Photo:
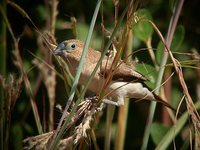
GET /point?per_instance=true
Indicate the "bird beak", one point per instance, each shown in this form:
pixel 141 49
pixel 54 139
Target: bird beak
pixel 58 51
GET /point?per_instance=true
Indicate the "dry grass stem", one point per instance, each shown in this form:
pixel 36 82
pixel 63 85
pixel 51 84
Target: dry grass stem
pixel 11 91
pixel 49 77
pixel 85 114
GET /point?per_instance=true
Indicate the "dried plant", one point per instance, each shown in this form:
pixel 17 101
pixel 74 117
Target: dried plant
pixel 82 119
pixel 49 77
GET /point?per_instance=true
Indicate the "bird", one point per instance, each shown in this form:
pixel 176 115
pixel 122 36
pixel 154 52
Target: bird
pixel 124 82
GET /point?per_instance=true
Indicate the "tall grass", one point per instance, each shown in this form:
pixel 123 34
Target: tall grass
pixel 84 123
pixel 171 30
pixel 2 72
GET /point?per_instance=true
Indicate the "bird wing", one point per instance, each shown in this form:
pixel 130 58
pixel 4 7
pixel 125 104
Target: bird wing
pixel 122 72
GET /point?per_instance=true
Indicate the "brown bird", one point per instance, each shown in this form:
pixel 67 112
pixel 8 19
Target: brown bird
pixel 125 81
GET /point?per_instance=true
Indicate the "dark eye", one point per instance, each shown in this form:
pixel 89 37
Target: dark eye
pixel 73 46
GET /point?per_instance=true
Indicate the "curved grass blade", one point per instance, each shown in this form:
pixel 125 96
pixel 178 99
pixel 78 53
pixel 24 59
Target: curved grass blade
pixel 61 128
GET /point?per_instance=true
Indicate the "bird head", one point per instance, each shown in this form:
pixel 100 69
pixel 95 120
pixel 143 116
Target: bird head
pixel 69 48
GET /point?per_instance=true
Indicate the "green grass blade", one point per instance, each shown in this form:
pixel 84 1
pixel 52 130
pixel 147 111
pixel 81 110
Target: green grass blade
pixel 171 29
pixel 60 129
pixel 105 50
pixel 109 119
pixel 171 134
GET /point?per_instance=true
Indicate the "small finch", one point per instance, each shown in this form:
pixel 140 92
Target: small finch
pixel 126 82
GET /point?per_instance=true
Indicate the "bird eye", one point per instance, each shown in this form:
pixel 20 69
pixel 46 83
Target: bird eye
pixel 73 46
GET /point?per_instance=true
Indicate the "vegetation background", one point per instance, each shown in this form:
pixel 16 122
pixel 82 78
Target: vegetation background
pixel 31 88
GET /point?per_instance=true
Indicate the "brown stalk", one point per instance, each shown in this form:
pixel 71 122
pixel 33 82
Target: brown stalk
pixel 190 105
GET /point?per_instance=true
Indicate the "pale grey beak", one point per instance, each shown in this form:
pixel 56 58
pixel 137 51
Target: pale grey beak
pixel 59 49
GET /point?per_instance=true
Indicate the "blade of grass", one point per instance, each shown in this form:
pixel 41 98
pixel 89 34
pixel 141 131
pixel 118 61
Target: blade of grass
pixel 109 118
pixel 20 65
pixel 99 62
pixel 60 129
pixel 3 42
pixel 2 71
pixel 53 12
pixel 122 124
pixel 105 50
pixel 171 134
pixel 123 110
pixel 171 29
pixel 25 15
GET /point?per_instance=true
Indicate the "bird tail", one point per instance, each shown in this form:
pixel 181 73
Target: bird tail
pixel 160 100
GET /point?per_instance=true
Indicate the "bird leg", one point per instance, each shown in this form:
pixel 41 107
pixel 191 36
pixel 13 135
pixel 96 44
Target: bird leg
pixel 107 101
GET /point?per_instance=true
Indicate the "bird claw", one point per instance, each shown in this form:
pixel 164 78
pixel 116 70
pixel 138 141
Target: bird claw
pixel 107 101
